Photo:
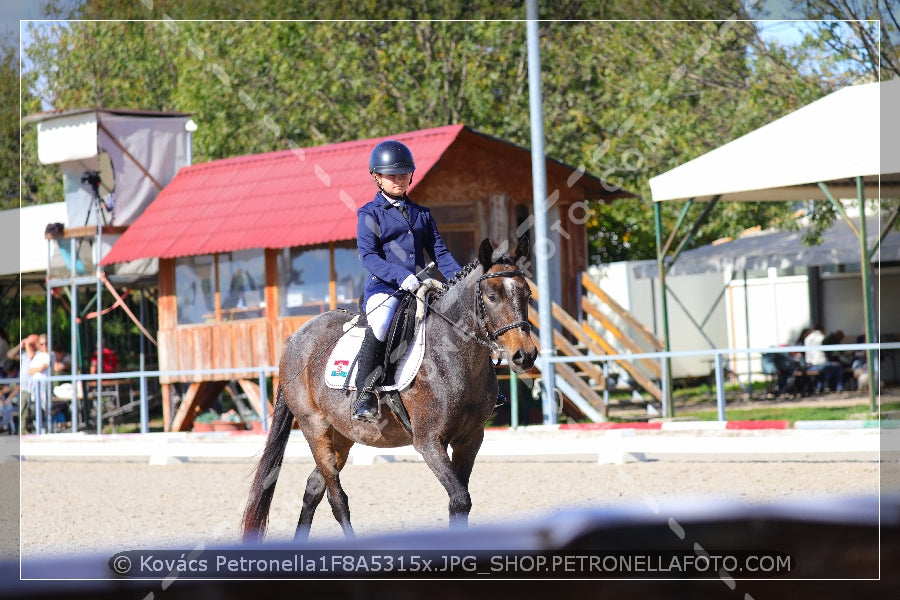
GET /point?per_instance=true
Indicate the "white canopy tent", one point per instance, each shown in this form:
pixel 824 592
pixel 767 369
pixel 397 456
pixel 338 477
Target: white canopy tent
pixel 852 132
pixel 845 145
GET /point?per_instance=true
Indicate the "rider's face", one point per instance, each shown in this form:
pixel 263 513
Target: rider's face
pixel 394 184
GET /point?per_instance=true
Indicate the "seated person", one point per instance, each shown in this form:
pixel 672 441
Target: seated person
pixel 9 399
pixel 110 362
pixel 62 360
pixel 817 364
pixel 840 359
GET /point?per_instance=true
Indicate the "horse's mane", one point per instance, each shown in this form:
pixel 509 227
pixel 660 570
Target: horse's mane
pixel 468 268
pixel 461 274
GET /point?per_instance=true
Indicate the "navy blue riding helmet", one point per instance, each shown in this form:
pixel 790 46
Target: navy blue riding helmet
pixel 391 158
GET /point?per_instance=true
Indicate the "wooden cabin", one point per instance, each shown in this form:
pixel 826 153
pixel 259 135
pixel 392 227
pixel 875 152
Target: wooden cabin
pixel 251 247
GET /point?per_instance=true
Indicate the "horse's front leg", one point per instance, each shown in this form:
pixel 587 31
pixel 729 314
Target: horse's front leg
pixel 464 453
pixel 435 455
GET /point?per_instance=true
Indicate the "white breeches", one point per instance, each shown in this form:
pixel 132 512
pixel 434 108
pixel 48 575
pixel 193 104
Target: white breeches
pixel 379 311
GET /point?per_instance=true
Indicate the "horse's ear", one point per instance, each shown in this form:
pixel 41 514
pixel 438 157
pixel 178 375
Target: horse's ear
pixel 486 254
pixel 523 247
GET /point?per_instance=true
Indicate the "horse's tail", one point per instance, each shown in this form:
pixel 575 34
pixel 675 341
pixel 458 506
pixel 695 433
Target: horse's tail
pixel 256 514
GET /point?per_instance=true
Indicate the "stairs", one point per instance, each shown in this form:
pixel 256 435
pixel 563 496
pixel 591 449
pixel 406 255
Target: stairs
pixel 582 383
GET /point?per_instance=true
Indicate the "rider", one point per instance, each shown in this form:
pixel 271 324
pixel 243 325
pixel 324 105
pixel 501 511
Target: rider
pixel 392 233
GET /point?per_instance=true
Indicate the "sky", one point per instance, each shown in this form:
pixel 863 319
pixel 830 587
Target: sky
pixel 11 11
pixel 786 33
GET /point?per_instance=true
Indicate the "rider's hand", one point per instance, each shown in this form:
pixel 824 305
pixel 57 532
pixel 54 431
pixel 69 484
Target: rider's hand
pixel 411 283
pixel 434 284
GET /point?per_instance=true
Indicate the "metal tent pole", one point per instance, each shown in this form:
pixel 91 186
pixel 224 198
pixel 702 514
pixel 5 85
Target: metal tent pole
pixel 98 251
pixel 145 425
pixel 866 272
pixel 668 407
pixel 865 267
pixel 74 345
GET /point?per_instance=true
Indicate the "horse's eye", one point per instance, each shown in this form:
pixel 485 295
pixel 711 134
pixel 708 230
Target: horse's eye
pixel 492 297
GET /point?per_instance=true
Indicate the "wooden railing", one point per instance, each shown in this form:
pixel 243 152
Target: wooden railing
pixel 578 339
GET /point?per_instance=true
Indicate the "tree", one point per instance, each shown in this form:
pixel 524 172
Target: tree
pixel 863 34
pixel 9 131
pixel 623 100
pixel 849 42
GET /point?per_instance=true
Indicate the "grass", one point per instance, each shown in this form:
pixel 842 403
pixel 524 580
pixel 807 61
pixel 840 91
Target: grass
pixel 791 414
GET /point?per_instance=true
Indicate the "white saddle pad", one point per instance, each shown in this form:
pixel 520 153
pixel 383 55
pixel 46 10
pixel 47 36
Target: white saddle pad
pixel 337 369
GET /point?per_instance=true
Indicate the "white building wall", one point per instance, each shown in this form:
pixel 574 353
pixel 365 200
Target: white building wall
pixel 776 308
pixel 698 294
pixel 768 311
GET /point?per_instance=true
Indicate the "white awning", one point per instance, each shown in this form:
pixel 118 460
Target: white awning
pixel 849 133
pixel 27 225
pixel 780 249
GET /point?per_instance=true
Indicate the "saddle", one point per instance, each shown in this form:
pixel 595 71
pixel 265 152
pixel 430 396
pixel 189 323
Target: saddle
pixel 404 351
pixel 401 333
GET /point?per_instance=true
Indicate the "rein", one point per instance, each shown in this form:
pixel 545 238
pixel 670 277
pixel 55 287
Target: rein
pixel 491 336
pixel 490 342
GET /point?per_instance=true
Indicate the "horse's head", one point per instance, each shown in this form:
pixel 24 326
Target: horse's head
pixel 502 304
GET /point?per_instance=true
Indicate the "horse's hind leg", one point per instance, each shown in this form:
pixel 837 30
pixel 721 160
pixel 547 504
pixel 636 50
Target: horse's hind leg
pixel 315 489
pixel 330 451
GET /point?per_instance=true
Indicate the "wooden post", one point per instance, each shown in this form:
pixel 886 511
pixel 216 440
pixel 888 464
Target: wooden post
pixel 168 318
pixel 217 294
pixel 332 283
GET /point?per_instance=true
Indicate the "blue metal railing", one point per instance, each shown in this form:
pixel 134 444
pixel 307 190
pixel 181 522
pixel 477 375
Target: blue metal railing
pixel 263 372
pixel 42 398
pixel 718 354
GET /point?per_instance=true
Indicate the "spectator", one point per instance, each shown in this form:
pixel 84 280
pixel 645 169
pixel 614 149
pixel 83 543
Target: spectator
pixel 40 371
pixel 23 352
pixel 9 399
pixel 110 361
pixel 817 364
pixel 4 343
pixel 62 361
pixel 834 338
pixel 840 359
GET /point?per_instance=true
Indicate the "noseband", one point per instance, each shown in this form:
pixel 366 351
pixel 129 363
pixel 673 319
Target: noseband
pixel 492 336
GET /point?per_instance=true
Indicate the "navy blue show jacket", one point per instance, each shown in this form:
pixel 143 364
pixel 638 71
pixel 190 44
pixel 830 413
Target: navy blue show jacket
pixel 390 248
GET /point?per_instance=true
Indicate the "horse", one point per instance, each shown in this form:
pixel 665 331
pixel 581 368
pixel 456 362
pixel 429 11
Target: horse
pixel 483 311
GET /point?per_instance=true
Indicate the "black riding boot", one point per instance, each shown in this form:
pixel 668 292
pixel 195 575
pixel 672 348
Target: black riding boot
pixel 369 370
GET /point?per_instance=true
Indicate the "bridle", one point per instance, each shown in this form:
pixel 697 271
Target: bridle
pixel 482 313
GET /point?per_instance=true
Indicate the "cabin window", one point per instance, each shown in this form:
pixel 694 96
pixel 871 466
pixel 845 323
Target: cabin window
pixel 195 288
pixel 459 229
pixel 242 283
pixel 350 277
pixel 306 275
pixel 237 279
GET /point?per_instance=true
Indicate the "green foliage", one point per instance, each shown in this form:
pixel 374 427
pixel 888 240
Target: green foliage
pixel 9 131
pixel 625 100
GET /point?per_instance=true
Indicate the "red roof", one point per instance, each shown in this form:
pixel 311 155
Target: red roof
pixel 297 198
